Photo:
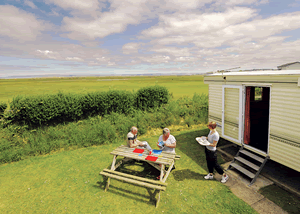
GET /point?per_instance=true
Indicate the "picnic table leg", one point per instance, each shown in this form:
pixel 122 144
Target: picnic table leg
pixel 158 199
pixel 112 168
pixel 156 166
pixel 124 160
pixel 168 172
pixel 162 169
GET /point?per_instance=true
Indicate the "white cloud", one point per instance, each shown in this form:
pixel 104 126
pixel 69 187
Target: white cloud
pixel 105 61
pixel 180 5
pixel 130 48
pixel 18 24
pixel 193 24
pixel 30 4
pixel 263 28
pixel 109 24
pixel 76 4
pixel 174 51
pixel 48 54
pixel 77 59
pixel 240 2
pixel 121 14
pixel 154 59
pixel 185 59
pixel 178 30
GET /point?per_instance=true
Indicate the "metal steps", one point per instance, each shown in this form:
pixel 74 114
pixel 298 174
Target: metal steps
pixel 243 170
pixel 246 163
pixel 253 156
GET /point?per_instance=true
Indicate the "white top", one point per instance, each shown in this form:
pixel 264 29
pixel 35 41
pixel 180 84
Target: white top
pixel 131 136
pixel 171 140
pixel 211 138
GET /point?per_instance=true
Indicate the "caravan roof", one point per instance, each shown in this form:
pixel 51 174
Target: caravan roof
pixel 259 72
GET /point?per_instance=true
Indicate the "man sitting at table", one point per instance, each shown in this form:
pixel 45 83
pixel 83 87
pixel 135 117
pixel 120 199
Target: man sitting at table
pixel 133 142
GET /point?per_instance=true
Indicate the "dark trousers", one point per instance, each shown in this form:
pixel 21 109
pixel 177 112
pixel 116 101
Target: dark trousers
pixel 212 162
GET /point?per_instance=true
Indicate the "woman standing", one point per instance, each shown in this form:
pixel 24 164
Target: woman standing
pixel 211 153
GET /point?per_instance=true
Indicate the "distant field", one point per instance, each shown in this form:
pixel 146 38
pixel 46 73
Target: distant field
pixel 178 85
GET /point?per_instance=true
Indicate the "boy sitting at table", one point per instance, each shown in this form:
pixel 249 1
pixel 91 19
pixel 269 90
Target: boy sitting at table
pixel 133 142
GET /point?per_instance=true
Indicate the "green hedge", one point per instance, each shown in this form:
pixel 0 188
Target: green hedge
pixel 3 106
pixel 18 142
pixel 151 97
pixel 57 108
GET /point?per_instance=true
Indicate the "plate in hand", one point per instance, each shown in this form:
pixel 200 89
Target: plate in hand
pixel 202 142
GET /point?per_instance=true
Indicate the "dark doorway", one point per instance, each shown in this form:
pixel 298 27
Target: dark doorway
pixel 257 117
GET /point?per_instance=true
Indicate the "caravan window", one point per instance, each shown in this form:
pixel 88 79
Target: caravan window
pixel 258 94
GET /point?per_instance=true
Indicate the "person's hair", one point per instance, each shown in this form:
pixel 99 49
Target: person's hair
pixel 166 130
pixel 213 125
pixel 133 128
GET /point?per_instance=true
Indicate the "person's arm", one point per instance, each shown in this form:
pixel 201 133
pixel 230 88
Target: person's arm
pixel 159 140
pixel 214 144
pixel 173 145
pixel 132 144
pixel 158 145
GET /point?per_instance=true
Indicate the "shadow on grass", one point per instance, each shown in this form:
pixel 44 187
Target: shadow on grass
pixel 136 168
pixel 181 175
pixel 188 145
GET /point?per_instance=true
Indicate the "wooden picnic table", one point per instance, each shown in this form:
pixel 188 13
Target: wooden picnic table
pixel 163 159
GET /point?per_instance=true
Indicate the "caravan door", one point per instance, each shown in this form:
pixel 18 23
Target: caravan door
pixel 232 113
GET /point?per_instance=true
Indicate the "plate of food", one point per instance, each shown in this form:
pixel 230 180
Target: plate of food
pixel 202 141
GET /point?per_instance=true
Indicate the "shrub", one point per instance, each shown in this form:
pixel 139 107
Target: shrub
pixel 151 97
pixel 17 142
pixel 3 106
pixel 45 109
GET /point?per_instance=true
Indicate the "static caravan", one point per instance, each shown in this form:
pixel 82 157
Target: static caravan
pixel 259 111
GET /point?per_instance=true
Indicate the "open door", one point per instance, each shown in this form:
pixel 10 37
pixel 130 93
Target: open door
pixel 257 111
pixel 232 112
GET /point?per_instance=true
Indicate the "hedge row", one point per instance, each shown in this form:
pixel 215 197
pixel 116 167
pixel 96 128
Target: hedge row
pixel 3 106
pixel 45 109
pixel 18 142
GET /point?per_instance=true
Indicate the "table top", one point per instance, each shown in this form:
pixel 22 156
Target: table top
pixel 165 158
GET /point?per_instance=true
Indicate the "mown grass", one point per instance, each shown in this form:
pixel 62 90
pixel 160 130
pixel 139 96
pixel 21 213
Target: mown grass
pixel 69 182
pixel 178 85
pixel 282 198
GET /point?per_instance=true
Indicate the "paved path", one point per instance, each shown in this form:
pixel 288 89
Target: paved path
pixel 239 186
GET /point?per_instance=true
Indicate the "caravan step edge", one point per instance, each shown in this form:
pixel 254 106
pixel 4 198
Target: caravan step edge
pixel 248 163
pixel 243 170
pixel 251 155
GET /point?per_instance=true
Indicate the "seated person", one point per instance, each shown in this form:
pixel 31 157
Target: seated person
pixel 168 141
pixel 133 142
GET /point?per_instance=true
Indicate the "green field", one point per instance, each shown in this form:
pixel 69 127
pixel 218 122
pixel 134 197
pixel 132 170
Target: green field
pixel 69 182
pixel 178 85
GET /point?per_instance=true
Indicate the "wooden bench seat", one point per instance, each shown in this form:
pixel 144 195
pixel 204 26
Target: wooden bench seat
pixel 134 179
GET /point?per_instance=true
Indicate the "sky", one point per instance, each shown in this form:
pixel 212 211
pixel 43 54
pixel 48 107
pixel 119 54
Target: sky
pixel 116 37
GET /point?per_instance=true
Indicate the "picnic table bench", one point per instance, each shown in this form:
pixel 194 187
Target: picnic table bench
pixel 159 161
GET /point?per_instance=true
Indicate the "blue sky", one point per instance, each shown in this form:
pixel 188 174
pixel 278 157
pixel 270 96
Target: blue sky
pixel 43 37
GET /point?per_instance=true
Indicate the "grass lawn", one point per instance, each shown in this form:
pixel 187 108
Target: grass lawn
pixel 282 198
pixel 69 182
pixel 178 85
